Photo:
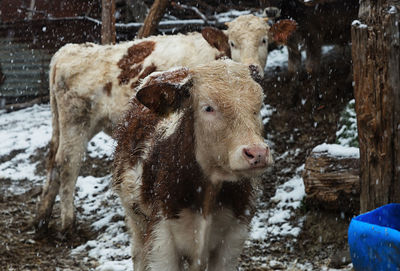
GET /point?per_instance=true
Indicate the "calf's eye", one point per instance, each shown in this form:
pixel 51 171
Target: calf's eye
pixel 264 40
pixel 232 44
pixel 209 109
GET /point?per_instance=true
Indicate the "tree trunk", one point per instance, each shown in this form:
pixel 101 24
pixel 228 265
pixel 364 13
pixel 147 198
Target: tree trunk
pixel 376 68
pixel 153 18
pixel 108 22
pixel 332 182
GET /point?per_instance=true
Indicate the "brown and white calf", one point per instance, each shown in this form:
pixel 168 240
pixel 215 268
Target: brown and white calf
pixel 188 151
pixel 90 86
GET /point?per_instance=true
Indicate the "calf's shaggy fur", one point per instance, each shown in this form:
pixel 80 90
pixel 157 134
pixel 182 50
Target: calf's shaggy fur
pixel 189 148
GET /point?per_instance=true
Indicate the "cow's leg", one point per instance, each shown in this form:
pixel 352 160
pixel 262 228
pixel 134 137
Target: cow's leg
pixel 313 52
pixel 137 227
pixel 294 60
pixel 51 187
pixel 76 129
pixel 69 158
pixel 49 192
pixel 161 254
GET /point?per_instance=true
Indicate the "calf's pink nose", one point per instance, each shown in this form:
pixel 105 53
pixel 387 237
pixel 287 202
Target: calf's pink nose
pixel 256 155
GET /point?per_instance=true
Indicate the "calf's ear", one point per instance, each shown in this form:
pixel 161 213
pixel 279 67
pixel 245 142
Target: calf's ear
pixel 165 92
pixel 282 30
pixel 217 38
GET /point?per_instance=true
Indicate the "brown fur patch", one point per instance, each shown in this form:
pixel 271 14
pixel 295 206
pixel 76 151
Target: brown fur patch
pixel 148 70
pixel 174 77
pixel 282 30
pixel 107 88
pixel 171 175
pixel 136 54
pixel 136 127
pixel 238 197
pixel 216 38
pixel 173 180
pixel 126 75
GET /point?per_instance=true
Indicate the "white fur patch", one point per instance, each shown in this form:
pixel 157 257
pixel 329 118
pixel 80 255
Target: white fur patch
pixel 196 237
pixel 168 126
pixel 163 255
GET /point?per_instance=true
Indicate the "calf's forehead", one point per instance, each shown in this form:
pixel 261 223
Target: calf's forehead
pixel 248 26
pixel 227 85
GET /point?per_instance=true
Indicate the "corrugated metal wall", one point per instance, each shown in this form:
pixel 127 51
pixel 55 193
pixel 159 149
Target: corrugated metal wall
pixel 25 71
pixel 26 49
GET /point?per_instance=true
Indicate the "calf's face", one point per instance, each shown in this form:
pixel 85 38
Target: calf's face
pixel 225 102
pixel 248 38
pixel 248 41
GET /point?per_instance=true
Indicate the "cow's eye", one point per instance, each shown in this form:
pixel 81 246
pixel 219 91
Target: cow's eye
pixel 232 44
pixel 208 109
pixel 264 41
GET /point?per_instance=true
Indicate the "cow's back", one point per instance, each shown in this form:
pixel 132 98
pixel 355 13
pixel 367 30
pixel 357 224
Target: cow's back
pixel 109 74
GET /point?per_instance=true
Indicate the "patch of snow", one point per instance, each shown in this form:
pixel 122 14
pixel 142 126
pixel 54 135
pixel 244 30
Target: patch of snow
pixel 277 58
pixel 101 205
pixel 327 48
pixel 282 156
pixel 347 135
pixel 26 129
pixel 275 222
pixel 266 112
pixel 359 24
pixel 290 194
pixel 392 10
pixel 101 146
pixel 23 132
pixel 338 150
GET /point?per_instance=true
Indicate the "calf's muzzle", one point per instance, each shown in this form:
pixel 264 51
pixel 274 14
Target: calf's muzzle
pixel 256 155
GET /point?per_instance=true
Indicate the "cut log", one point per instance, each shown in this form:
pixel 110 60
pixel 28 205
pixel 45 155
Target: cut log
pixel 332 182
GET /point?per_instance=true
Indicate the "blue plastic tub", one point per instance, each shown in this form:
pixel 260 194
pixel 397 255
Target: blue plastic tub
pixel 374 239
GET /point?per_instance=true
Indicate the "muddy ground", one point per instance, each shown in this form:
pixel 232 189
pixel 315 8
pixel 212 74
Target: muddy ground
pixel 307 113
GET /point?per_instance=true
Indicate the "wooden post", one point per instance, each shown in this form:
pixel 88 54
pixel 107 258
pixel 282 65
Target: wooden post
pixel 376 69
pixel 153 18
pixel 108 22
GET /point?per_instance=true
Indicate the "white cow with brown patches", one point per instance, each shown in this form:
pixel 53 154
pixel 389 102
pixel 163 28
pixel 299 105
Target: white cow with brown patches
pixel 90 86
pixel 188 151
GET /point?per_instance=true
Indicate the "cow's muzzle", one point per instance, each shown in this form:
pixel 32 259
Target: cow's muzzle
pixel 258 156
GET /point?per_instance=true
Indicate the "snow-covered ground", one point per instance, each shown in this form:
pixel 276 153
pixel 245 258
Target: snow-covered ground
pixel 30 129
pixel 23 132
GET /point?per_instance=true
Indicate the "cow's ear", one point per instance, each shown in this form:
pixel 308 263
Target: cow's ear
pixel 282 30
pixel 165 92
pixel 217 38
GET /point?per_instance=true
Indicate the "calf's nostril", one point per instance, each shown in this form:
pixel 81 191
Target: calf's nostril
pixel 248 154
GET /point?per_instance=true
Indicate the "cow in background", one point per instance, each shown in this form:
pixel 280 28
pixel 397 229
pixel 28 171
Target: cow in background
pixel 189 148
pixel 319 22
pixel 90 86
